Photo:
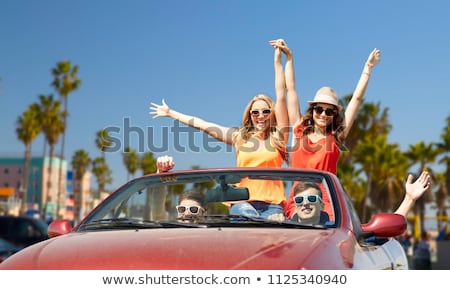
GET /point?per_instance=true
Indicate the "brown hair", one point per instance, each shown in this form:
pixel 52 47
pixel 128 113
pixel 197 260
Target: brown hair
pixel 193 195
pixel 336 128
pixel 302 186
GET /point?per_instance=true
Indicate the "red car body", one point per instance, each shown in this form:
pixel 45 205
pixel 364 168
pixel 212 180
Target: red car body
pixel 228 245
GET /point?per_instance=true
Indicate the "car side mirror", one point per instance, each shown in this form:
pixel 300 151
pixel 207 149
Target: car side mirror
pixel 385 225
pixel 59 227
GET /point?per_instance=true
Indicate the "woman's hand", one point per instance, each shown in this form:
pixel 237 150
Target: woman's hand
pixel 159 110
pixel 374 58
pixel 281 44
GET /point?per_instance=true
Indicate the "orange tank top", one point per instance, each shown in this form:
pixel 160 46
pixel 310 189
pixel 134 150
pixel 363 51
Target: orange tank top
pixel 270 191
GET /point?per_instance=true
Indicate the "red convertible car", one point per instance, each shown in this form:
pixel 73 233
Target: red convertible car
pixel 137 227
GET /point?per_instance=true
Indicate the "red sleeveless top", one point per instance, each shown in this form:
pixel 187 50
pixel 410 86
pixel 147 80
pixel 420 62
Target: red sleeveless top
pixel 321 155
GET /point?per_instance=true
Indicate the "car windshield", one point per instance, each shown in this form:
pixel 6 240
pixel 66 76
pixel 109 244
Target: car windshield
pixel 151 200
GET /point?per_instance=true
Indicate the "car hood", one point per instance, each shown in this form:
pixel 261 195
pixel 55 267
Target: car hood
pixel 181 248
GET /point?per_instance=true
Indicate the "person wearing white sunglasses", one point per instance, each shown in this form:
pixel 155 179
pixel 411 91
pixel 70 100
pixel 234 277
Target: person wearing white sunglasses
pixel 309 204
pixel 191 205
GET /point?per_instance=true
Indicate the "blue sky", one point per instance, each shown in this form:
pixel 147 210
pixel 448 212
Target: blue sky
pixel 209 57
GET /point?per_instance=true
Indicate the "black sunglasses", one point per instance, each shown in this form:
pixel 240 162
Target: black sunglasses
pixel 193 209
pixel 329 112
pixel 265 112
pixel 299 199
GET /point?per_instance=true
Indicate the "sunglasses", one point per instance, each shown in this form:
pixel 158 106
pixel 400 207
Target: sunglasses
pixel 265 112
pixel 329 112
pixel 299 199
pixel 193 209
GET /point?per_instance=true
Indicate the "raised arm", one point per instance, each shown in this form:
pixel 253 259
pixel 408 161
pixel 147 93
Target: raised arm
pixel 218 132
pixel 360 90
pixel 413 192
pixel 281 112
pixel 292 96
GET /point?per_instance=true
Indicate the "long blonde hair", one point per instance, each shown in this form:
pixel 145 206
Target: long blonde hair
pixel 247 130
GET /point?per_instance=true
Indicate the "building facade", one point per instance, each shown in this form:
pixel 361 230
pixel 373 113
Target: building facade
pixel 80 200
pixel 43 182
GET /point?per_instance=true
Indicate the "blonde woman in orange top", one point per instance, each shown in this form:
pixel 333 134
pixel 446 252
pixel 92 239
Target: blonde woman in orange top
pixel 259 142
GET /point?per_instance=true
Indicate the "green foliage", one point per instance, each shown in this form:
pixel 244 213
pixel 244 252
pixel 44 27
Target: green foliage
pixel 102 173
pixel 130 159
pixel 148 163
pixel 103 140
pixel 81 163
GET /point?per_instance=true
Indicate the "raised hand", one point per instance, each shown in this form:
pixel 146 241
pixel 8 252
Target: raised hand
pixel 276 43
pixel 164 163
pixel 374 58
pixel 159 110
pixel 281 44
pixel 415 190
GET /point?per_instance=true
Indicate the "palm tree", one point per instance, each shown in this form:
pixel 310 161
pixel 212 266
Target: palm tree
pixel 444 152
pixel 370 121
pixel 384 167
pixel 27 129
pixel 389 170
pixel 147 163
pixel 80 165
pixel 358 153
pixel 441 194
pixel 131 161
pixel 102 141
pixel 353 183
pixel 422 154
pixel 51 119
pixel 65 81
pixel 102 173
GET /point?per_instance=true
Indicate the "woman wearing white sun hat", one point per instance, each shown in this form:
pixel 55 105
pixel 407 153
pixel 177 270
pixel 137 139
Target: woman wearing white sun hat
pixel 321 131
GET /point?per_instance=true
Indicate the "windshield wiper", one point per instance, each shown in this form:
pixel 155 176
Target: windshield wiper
pixel 114 223
pixel 185 223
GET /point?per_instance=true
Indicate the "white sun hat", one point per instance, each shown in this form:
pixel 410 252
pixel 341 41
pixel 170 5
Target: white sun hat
pixel 328 96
